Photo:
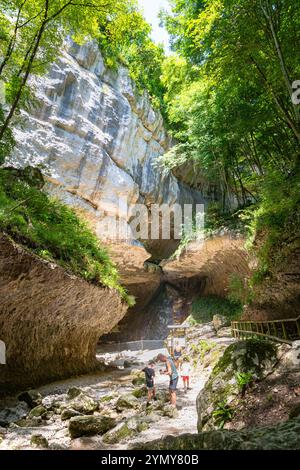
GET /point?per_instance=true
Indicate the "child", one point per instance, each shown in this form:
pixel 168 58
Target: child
pixel 185 374
pixel 150 381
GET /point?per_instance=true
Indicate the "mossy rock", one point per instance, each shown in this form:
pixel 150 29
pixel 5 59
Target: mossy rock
pixel 122 432
pixel 90 425
pixel 38 411
pixel 140 392
pixel 38 440
pixel 107 398
pixel 69 413
pixel 283 436
pixel 82 403
pixel 127 402
pixel 222 389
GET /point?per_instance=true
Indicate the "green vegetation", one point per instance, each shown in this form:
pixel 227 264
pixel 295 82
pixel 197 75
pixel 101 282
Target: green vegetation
pixel 53 231
pixel 229 103
pixel 243 379
pixel 222 414
pixel 204 308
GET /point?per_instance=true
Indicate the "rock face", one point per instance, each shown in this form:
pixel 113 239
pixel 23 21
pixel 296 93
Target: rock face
pixel 98 141
pixel 50 321
pixel 241 364
pixel 212 261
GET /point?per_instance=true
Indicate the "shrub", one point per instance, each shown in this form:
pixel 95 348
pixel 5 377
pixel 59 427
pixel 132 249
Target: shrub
pixel 53 231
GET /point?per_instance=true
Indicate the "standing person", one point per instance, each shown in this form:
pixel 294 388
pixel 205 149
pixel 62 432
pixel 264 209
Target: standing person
pixel 185 371
pixel 177 354
pixel 150 381
pixel 172 372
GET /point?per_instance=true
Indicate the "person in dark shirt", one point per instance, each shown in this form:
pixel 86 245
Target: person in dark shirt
pixel 150 381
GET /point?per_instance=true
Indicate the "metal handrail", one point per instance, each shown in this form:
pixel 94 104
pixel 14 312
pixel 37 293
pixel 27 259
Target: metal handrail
pixel 285 330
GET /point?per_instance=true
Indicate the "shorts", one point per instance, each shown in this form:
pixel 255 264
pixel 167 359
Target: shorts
pixel 185 377
pixel 150 386
pixel 173 384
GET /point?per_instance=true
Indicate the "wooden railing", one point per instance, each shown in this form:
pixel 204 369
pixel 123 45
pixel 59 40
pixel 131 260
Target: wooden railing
pixel 285 331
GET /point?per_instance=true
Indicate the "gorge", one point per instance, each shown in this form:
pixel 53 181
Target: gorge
pixel 149 226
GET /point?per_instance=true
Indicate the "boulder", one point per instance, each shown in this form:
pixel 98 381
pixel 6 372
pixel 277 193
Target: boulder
pixel 90 425
pixel 224 333
pixel 170 411
pixel 38 440
pixel 83 404
pixel 13 414
pixel 140 392
pixel 126 430
pixel 252 359
pixel 30 423
pixel 220 321
pixel 73 392
pixel 31 397
pixel 138 377
pixel 69 413
pixel 127 402
pixel 38 411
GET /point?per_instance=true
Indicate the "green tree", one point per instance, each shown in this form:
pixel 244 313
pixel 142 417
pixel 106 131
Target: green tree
pixel 32 32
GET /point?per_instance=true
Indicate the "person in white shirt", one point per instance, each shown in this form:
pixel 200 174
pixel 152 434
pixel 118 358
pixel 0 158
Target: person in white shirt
pixel 185 372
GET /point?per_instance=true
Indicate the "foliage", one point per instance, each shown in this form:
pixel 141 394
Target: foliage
pixel 32 32
pixel 244 379
pixel 54 232
pixel 204 308
pixel 222 414
pixel 229 103
pixel 126 37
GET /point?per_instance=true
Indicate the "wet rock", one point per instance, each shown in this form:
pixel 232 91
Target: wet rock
pixel 170 411
pixel 126 402
pixel 38 440
pixel 219 321
pixel 90 425
pixel 13 414
pixel 31 397
pixel 127 364
pixel 38 411
pixel 69 413
pixel 73 392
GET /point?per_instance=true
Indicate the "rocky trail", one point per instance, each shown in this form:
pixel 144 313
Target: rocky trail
pixel 47 424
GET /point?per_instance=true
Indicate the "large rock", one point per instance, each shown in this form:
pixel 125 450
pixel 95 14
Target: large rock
pixel 241 362
pixel 13 414
pixel 50 320
pixel 284 436
pixel 127 402
pixel 99 140
pixel 220 321
pixel 90 425
pixel 82 404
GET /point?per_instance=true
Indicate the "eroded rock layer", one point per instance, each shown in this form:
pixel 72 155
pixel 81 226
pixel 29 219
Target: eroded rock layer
pixel 50 320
